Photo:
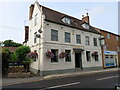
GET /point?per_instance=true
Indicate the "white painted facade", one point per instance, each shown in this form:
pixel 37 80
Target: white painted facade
pixel 44 43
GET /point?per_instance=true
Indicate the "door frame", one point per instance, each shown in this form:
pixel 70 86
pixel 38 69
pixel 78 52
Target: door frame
pixel 80 60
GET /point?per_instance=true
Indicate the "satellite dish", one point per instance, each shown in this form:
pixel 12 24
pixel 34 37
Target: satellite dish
pixel 40 31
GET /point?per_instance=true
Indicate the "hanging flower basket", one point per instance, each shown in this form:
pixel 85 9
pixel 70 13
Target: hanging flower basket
pixel 32 55
pixel 50 54
pixel 62 55
pixel 95 54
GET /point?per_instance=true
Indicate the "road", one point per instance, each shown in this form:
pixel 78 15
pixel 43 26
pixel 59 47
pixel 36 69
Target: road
pixel 99 80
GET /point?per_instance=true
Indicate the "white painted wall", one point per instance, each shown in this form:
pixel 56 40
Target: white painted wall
pixel 45 44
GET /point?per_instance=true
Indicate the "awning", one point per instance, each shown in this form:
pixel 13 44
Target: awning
pixel 78 50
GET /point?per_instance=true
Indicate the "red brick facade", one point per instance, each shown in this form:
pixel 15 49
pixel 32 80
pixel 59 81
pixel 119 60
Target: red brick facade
pixel 111 42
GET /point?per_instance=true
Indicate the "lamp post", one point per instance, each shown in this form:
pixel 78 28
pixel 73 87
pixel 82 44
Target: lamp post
pixel 102 43
pixel 39 36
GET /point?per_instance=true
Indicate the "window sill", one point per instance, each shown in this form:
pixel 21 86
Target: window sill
pixel 54 63
pixel 68 62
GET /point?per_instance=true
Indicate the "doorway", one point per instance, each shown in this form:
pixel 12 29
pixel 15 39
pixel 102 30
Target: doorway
pixel 78 60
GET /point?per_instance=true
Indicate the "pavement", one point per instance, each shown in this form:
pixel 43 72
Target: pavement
pixel 11 81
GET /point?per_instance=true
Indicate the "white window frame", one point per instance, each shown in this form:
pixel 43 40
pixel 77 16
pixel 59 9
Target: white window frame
pixel 36 19
pixel 55 36
pixel 87 40
pixel 108 36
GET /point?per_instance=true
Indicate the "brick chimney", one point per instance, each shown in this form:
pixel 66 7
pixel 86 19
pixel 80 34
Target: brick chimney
pixel 86 18
pixel 26 33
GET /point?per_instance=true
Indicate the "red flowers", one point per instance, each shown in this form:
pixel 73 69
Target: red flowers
pixel 32 55
pixel 50 54
pixel 62 55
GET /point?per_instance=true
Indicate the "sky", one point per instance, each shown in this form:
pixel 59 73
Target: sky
pixel 14 16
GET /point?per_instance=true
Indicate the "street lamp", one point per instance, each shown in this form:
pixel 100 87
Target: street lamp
pixel 102 44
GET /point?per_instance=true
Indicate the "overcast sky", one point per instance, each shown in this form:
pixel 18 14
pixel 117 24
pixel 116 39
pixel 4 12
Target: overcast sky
pixel 14 15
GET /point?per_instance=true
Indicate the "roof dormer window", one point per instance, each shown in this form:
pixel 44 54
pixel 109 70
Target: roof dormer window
pixel 85 25
pixel 66 20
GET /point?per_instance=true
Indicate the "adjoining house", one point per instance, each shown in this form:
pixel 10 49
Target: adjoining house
pixel 11 49
pixel 111 49
pixel 63 43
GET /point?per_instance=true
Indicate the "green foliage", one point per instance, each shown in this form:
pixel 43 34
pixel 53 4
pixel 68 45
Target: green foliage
pixel 22 52
pixel 27 60
pixel 11 43
pixel 5 58
pixel 13 58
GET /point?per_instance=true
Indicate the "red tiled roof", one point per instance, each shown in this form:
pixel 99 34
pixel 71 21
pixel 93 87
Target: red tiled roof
pixel 12 49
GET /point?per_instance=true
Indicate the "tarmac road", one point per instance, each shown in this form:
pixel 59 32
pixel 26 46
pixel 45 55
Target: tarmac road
pixel 99 80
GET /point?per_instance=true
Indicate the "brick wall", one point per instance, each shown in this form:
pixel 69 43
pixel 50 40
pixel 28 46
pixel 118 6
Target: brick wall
pixel 112 43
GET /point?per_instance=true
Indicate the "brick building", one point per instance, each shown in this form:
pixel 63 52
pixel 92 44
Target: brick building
pixel 111 49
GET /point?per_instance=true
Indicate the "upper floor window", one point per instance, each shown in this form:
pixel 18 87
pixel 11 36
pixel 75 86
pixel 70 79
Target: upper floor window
pixel 35 38
pixel 67 37
pixel 108 36
pixel 66 20
pixel 36 20
pixel 54 35
pixel 87 41
pixel 95 41
pixel 78 39
pixel 117 38
pixel 85 25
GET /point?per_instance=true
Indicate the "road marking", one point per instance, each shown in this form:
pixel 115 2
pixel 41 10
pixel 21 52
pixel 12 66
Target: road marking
pixel 63 85
pixel 107 77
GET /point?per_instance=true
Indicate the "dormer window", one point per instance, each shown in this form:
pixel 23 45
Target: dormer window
pixel 66 20
pixel 85 25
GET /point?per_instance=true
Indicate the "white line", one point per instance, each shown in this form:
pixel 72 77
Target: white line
pixel 63 85
pixel 107 77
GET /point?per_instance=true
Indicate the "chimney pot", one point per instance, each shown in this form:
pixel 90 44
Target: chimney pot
pixel 87 14
pixel 82 15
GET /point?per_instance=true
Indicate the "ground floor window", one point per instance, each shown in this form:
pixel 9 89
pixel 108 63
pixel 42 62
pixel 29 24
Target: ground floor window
pixel 55 58
pixel 68 55
pixel 96 56
pixel 88 56
pixel 110 60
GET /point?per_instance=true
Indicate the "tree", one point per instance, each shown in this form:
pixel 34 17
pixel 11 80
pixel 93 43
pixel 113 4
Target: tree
pixel 11 43
pixel 21 53
pixel 5 58
pixel 26 63
pixel 13 59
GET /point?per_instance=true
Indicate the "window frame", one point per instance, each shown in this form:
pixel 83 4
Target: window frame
pixel 67 37
pixel 55 59
pixel 78 39
pixel 66 20
pixel 68 58
pixel 88 58
pixel 97 57
pixel 54 37
pixel 36 19
pixel 35 38
pixel 87 40
pixel 108 36
pixel 116 38
pixel 95 42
